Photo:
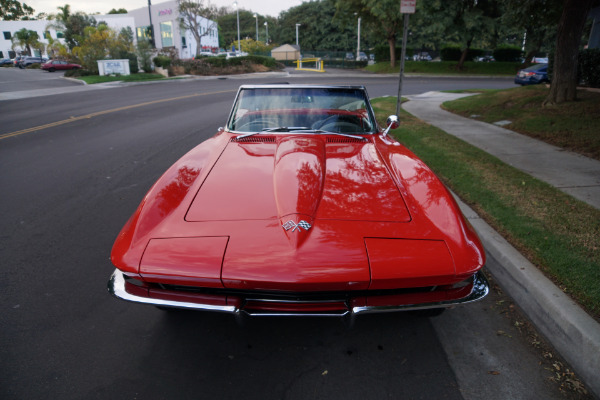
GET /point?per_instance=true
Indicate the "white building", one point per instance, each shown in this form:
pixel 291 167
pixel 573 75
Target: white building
pixel 165 20
pixel 167 29
pixel 8 29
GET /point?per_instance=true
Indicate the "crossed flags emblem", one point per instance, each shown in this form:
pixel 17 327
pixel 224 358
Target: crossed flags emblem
pixel 293 226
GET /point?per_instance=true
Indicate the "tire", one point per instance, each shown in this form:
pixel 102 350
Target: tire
pixel 51 70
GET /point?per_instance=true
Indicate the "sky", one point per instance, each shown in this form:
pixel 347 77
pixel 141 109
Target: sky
pixel 263 7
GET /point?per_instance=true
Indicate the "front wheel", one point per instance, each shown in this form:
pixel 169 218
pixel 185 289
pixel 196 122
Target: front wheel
pixel 51 70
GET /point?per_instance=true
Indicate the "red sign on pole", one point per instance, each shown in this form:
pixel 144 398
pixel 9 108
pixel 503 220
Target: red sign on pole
pixel 408 6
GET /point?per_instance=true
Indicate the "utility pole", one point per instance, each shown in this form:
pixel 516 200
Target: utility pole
pixel 256 18
pixel 267 27
pixel 358 42
pixel 235 4
pixel 407 7
pixel 152 42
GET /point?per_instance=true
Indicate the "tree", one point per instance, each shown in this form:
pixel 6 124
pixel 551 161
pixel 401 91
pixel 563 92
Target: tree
pixel 191 13
pixel 319 30
pixel 228 26
pixel 27 40
pixel 144 52
pixel 251 46
pixel 536 20
pixel 119 11
pixel 100 43
pixel 564 76
pixel 72 25
pixel 381 16
pixel 12 10
pixel 56 49
pixel 460 21
pixel 75 26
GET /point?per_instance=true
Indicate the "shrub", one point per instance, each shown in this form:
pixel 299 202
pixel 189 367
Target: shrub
pixel 474 53
pixel 450 53
pixel 382 52
pixel 162 61
pixel 79 72
pixel 144 53
pixel 508 53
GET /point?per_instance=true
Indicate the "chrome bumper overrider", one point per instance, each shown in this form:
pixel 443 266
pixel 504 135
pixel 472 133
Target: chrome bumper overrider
pixel 117 287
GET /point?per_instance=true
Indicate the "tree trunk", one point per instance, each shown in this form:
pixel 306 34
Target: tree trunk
pixel 392 43
pixel 564 76
pixel 463 56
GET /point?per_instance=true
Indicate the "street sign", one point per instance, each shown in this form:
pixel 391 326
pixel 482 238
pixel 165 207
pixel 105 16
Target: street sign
pixel 408 6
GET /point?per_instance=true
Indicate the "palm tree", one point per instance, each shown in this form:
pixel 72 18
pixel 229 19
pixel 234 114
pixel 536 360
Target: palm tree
pixel 59 20
pixel 26 39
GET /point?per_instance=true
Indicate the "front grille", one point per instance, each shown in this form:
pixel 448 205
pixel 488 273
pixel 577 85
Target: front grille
pixel 344 140
pixel 296 296
pixel 254 139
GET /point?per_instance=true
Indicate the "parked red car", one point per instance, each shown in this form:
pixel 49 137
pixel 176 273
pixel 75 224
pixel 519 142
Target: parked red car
pixel 301 205
pixel 59 65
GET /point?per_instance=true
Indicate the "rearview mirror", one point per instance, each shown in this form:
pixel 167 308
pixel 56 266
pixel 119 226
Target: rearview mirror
pixel 392 123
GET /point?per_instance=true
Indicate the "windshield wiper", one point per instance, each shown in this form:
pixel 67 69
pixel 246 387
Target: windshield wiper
pixel 300 129
pixel 276 129
pixel 286 129
pixel 322 132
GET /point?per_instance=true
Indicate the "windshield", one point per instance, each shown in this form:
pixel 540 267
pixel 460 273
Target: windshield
pixel 342 110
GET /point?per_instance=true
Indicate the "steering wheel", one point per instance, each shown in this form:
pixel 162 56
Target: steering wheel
pixel 339 123
pixel 258 125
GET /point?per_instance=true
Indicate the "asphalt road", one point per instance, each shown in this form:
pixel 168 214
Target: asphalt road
pixel 74 167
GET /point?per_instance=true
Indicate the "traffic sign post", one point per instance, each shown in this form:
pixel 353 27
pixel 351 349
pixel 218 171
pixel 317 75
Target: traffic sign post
pixel 407 7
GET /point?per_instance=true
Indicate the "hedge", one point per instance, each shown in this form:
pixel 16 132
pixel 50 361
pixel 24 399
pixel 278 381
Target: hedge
pixel 453 53
pixel 382 52
pixel 508 53
pixel 211 65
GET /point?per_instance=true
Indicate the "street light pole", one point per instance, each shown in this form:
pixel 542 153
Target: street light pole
pixel 297 25
pixel 256 18
pixel 152 43
pixel 235 4
pixel 358 42
pixel 267 27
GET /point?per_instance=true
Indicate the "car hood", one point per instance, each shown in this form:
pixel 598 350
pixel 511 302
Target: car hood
pixel 296 213
pixel 315 178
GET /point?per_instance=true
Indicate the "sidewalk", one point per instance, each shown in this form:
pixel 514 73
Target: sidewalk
pixel 572 332
pixel 572 173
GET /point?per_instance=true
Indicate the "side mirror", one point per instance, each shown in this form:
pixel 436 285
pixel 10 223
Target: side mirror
pixel 392 123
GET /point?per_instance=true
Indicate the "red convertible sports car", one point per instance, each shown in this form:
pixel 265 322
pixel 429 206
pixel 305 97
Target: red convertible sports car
pixel 301 205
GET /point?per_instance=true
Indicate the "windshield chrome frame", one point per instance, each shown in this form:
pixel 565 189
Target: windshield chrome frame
pixel 376 127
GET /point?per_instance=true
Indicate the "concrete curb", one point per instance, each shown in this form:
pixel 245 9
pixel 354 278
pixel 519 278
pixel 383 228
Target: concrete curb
pixel 572 332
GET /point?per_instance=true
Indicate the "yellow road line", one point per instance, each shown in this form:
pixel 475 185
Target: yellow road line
pixel 96 114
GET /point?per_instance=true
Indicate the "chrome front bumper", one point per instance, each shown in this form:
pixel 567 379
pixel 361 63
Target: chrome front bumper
pixel 119 287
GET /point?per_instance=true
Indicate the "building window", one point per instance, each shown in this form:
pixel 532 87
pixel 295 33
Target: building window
pixel 142 33
pixel 60 35
pixel 166 34
pixel 183 42
pixel 7 35
pixel 47 35
pixel 1 54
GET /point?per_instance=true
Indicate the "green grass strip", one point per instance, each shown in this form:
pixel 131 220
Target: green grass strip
pixel 556 232
pixel 92 79
pixel 573 125
pixel 447 68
